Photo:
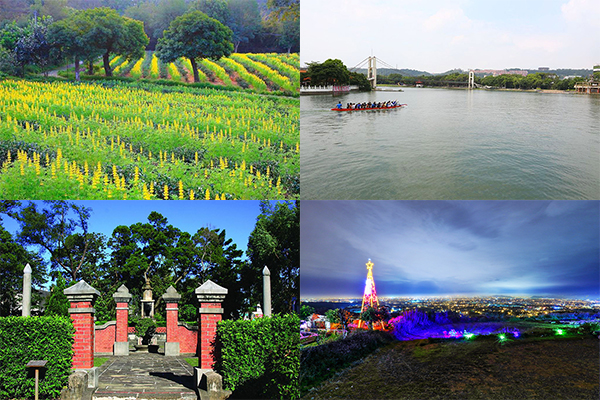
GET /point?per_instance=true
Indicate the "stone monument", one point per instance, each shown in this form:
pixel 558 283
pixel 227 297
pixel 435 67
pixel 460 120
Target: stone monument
pixel 26 306
pixel 267 291
pixel 147 302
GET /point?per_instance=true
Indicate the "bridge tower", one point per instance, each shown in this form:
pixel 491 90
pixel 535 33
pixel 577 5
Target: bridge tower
pixel 471 84
pixel 372 72
pixel 370 294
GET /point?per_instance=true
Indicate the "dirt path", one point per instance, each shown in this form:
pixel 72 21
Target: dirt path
pixel 55 72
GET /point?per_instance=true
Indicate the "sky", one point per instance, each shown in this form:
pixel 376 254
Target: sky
pixel 440 35
pixel 450 248
pixel 238 218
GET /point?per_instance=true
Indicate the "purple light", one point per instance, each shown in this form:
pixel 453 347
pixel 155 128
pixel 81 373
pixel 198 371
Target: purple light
pixel 420 325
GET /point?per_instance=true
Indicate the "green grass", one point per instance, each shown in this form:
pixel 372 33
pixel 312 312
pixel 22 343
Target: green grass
pixel 557 367
pixel 193 361
pixel 98 361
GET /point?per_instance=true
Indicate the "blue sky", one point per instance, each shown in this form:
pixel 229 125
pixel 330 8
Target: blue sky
pixel 238 217
pixel 431 248
pixel 439 35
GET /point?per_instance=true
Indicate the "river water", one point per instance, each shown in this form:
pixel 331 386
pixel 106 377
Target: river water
pixel 452 144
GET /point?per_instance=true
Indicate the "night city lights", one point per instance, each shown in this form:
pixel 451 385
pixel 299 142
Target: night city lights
pixel 466 288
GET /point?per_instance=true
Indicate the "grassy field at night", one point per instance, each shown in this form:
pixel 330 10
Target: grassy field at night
pixel 537 367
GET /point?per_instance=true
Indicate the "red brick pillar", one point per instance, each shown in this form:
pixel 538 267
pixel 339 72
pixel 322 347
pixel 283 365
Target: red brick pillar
pixel 122 299
pixel 210 296
pixel 82 297
pixel 171 298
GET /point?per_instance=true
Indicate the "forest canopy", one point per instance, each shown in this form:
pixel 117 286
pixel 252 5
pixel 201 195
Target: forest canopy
pixel 259 26
pixel 55 239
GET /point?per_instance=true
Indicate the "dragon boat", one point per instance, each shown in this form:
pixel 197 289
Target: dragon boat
pixel 371 108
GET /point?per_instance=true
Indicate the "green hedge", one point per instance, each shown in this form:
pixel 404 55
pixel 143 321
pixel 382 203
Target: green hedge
pixel 259 358
pixel 23 339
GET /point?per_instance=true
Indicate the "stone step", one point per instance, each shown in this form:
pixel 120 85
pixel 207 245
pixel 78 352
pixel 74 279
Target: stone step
pixel 144 395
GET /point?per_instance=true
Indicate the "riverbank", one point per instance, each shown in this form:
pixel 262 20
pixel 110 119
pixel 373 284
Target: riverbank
pixel 554 91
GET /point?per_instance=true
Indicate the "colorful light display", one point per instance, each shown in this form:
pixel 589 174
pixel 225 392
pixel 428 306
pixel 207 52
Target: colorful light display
pixel 370 294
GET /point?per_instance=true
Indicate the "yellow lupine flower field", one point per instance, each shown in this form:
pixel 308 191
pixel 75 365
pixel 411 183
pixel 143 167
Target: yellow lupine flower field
pixel 259 72
pixel 135 140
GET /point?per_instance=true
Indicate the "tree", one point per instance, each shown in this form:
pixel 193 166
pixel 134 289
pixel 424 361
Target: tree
pixel 332 71
pixel 139 251
pixel 275 243
pixel 345 318
pixel 194 35
pixel 58 304
pixel 60 229
pixel 333 316
pixel 11 33
pixel 145 12
pixel 306 311
pixel 165 12
pixel 113 34
pixel 226 270
pixel 57 9
pixel 244 21
pixel 69 37
pixel 284 9
pixel 290 35
pixel 156 16
pixel 33 47
pixel 217 9
pixel 369 316
pixel 13 259
pixel 360 80
pixel 167 256
pixel 13 9
pixel 8 62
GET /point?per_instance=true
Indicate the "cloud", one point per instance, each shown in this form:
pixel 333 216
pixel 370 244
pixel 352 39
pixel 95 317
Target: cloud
pixel 462 246
pixel 547 43
pixel 444 18
pixel 458 39
pixel 582 11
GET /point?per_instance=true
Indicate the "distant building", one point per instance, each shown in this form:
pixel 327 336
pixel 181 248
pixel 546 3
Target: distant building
pixel 592 86
pixel 544 69
pixel 496 72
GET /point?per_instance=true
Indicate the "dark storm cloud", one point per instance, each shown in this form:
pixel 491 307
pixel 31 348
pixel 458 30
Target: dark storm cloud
pixel 461 247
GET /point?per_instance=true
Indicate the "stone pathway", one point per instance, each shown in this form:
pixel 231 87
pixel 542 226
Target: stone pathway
pixel 145 376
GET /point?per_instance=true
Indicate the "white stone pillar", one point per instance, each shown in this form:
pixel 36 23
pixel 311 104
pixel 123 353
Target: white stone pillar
pixel 267 291
pixel 26 309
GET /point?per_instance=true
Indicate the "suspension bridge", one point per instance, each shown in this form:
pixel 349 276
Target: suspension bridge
pixel 371 65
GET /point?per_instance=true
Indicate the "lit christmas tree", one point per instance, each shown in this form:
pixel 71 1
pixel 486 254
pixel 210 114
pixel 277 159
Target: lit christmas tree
pixel 370 295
